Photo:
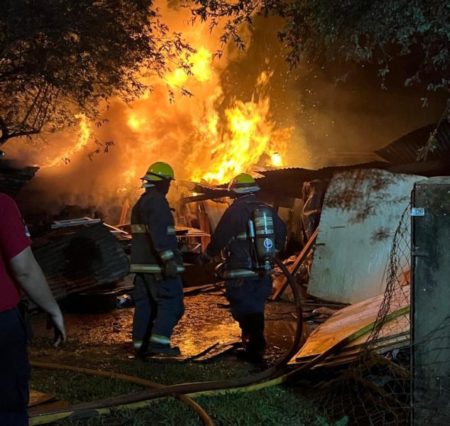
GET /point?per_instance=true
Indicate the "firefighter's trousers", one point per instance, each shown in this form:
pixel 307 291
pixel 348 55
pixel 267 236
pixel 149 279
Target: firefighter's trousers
pixel 247 295
pixel 158 307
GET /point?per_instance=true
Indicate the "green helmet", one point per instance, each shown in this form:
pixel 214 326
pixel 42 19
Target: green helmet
pixel 159 171
pixel 243 184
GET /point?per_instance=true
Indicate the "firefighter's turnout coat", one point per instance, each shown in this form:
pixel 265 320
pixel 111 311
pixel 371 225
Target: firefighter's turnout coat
pixel 246 292
pixel 154 238
pixel 231 234
pixel 158 299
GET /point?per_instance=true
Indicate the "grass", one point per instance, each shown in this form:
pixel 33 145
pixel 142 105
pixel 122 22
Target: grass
pixel 271 406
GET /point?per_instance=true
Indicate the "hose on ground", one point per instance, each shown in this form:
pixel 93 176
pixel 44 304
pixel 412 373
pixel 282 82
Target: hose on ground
pixel 204 416
pixel 140 399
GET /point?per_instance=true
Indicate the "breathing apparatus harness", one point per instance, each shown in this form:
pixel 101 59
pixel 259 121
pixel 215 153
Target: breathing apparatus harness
pixel 260 235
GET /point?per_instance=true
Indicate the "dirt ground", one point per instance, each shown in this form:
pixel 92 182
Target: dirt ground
pixel 206 321
pixel 103 342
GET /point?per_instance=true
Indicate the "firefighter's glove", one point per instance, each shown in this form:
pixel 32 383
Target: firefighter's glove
pixel 203 259
pixel 170 269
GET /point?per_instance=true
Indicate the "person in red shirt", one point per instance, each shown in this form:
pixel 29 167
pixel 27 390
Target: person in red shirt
pixel 18 270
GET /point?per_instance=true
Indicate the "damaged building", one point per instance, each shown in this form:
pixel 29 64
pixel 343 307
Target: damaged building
pixel 349 246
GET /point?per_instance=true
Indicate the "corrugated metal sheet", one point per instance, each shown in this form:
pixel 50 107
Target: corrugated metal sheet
pixel 12 179
pixel 81 258
pixel 406 149
pixel 289 182
pixel 360 213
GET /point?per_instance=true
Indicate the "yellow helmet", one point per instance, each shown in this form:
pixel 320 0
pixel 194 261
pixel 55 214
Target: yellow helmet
pixel 159 171
pixel 243 184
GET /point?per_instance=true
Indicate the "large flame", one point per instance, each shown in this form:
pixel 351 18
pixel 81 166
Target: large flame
pixel 246 136
pixel 223 147
pixel 208 136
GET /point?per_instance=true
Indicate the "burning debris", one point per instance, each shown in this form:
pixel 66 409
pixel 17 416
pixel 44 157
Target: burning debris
pixel 355 264
pixel 207 136
pixel 330 213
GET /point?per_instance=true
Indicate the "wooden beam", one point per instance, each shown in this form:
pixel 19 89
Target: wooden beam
pixel 298 261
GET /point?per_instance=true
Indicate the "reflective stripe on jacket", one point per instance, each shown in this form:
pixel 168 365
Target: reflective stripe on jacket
pixel 153 229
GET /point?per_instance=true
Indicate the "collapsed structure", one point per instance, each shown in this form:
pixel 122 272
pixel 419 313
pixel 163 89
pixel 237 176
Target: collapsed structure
pixel 358 218
pixel 346 223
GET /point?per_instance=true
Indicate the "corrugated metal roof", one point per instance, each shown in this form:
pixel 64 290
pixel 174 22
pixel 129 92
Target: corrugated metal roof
pixel 289 182
pixel 286 182
pixel 80 258
pixel 12 179
pixel 406 149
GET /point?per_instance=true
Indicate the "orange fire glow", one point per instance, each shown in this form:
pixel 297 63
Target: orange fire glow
pixel 84 133
pixel 223 145
pixel 200 63
pixel 135 122
pixel 243 142
pixel 207 137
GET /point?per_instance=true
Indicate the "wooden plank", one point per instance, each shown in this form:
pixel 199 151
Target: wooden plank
pixel 296 265
pixel 353 318
pixel 379 345
pixel 346 359
pixel 48 407
pixel 38 398
pixel 350 353
pixel 390 331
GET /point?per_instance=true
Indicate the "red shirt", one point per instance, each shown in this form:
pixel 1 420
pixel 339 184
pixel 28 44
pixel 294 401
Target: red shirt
pixel 14 238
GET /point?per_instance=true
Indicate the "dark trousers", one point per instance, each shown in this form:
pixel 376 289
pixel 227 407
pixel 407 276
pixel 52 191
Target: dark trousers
pixel 247 297
pixel 14 369
pixel 158 306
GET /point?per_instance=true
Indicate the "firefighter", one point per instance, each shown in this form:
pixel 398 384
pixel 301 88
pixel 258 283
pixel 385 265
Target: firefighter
pixel 158 289
pixel 246 288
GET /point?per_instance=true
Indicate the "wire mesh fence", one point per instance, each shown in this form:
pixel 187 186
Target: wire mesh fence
pixel 376 388
pixel 401 374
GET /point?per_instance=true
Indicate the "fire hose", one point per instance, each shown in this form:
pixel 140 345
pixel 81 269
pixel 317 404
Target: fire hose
pixel 48 417
pixel 270 377
pixel 273 376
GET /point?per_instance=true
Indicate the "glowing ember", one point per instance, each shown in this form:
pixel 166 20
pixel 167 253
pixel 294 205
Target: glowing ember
pixel 177 78
pixel 201 64
pixel 276 159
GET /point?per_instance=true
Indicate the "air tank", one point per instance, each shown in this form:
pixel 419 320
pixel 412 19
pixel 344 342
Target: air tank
pixel 264 236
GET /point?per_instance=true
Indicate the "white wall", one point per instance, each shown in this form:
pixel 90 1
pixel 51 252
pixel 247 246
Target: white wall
pixel 361 211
